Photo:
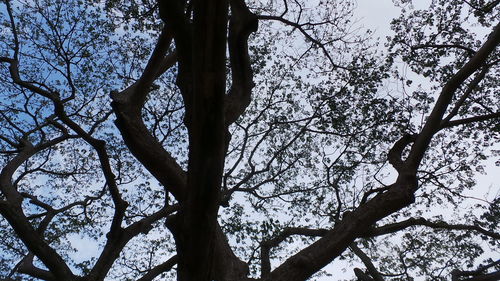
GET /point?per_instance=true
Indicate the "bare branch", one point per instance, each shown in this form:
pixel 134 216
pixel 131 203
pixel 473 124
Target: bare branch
pixel 469 120
pixel 266 246
pixel 159 269
pixel 367 262
pixel 241 25
pixel 394 154
pixel 26 266
pixel 300 27
pixel 14 29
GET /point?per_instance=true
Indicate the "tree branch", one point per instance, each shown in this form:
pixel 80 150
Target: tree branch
pixel 35 243
pixel 159 62
pixel 127 106
pixel 147 149
pixel 13 28
pixel 12 211
pixel 172 14
pixel 367 262
pixel 434 121
pixel 159 269
pixel 444 46
pixel 395 227
pixel 266 246
pixel 115 245
pixel 308 36
pixel 100 148
pixel 26 266
pixel 470 88
pixel 478 274
pixel 486 8
pixel 394 154
pixel 469 120
pixel 241 24
pixel 315 256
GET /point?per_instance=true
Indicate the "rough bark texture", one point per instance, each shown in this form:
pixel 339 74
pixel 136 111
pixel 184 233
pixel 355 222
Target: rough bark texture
pixel 205 123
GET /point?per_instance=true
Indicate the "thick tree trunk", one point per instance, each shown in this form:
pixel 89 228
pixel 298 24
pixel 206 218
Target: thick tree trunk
pixel 205 122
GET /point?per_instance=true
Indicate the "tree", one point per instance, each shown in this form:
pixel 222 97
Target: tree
pixel 245 140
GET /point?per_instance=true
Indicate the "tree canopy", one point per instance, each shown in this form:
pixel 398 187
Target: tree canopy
pixel 238 140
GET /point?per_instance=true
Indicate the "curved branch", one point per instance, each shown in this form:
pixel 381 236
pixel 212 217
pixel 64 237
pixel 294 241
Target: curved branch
pixel 157 64
pixel 287 232
pixel 26 266
pixel 367 261
pixel 147 149
pixel 159 269
pixel 241 25
pixel 394 154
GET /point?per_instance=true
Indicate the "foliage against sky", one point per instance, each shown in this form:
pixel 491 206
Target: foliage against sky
pixel 309 152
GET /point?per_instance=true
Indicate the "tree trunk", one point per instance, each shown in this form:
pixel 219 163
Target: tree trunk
pixel 204 119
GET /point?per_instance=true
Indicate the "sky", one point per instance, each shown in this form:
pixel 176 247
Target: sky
pixel 376 15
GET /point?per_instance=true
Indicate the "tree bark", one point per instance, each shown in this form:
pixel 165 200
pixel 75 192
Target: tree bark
pixel 204 99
